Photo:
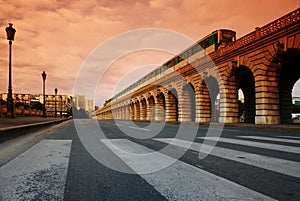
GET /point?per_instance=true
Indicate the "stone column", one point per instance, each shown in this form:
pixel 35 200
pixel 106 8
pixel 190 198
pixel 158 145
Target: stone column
pixel 184 108
pixel 229 111
pixel 151 109
pixel 171 108
pixel 131 111
pixel 127 113
pixel 204 105
pixel 137 111
pixel 160 109
pixel 267 100
pixel 143 110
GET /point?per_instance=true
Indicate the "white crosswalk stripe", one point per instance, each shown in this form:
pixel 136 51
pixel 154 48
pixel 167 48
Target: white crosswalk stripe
pixel 271 139
pixel 282 166
pixel 38 174
pixel 180 181
pixel 287 136
pixel 277 147
pixel 41 171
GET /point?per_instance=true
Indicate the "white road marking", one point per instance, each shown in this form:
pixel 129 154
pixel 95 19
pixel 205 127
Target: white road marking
pixel 286 136
pixel 271 139
pixel 282 166
pixel 180 181
pixel 139 128
pixel 277 147
pixel 134 127
pixel 38 174
pixel 119 125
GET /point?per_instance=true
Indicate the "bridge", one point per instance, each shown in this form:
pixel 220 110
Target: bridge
pixel 264 64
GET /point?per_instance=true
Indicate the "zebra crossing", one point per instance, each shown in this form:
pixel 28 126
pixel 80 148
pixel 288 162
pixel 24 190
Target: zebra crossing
pixel 181 181
pixel 42 170
pixel 37 174
pixel 185 181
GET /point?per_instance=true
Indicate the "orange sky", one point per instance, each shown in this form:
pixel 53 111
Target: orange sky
pixel 57 36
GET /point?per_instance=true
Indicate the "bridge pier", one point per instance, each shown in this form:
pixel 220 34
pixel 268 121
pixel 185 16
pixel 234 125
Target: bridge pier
pixel 171 107
pixel 150 108
pixel 131 111
pixel 229 104
pixel 160 108
pixel 137 111
pixel 267 102
pixel 204 105
pixel 187 104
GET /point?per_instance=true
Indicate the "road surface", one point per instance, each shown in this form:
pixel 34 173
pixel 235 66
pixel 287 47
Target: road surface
pixel 138 161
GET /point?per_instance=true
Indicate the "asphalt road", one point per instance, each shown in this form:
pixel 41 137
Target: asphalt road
pixel 107 160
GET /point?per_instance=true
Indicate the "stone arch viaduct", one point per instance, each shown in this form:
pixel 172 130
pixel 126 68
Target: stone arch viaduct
pixel 264 64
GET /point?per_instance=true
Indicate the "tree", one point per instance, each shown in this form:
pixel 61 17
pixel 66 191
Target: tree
pixel 36 105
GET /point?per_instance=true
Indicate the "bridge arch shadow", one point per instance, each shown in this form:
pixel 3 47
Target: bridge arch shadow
pixel 245 82
pixel 289 75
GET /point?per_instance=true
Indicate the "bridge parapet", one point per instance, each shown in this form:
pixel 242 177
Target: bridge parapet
pixel 276 25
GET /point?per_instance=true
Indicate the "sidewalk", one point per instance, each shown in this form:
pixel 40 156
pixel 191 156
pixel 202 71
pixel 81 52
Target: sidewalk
pixel 12 128
pixel 18 121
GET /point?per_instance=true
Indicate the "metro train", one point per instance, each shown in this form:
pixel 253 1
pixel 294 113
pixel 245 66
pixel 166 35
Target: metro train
pixel 212 42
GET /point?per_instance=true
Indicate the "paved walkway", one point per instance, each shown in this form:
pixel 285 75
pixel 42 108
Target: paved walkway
pixel 4 122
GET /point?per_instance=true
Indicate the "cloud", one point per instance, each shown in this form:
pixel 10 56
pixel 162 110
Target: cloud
pixel 57 35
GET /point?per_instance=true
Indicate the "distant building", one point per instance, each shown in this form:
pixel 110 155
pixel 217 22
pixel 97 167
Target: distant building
pixel 80 101
pixel 63 102
pixel 90 105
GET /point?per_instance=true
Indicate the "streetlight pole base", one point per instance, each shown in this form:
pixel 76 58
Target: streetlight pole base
pixel 10 108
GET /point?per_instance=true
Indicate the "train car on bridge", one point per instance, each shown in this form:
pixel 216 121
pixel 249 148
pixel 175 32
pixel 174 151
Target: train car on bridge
pixel 212 42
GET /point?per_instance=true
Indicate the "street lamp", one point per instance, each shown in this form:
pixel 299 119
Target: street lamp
pixel 44 75
pixel 55 90
pixel 10 32
pixel 61 104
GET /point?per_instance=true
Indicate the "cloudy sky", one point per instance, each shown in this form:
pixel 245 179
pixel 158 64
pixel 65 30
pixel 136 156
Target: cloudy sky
pixel 57 36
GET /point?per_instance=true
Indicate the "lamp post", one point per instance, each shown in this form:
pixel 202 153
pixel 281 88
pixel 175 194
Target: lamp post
pixel 61 104
pixel 10 31
pixel 55 90
pixel 44 75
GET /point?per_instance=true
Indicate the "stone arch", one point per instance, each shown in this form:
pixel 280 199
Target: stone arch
pixel 187 104
pixel 290 73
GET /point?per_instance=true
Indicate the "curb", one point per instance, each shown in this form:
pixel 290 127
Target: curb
pixel 16 131
pixel 285 128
